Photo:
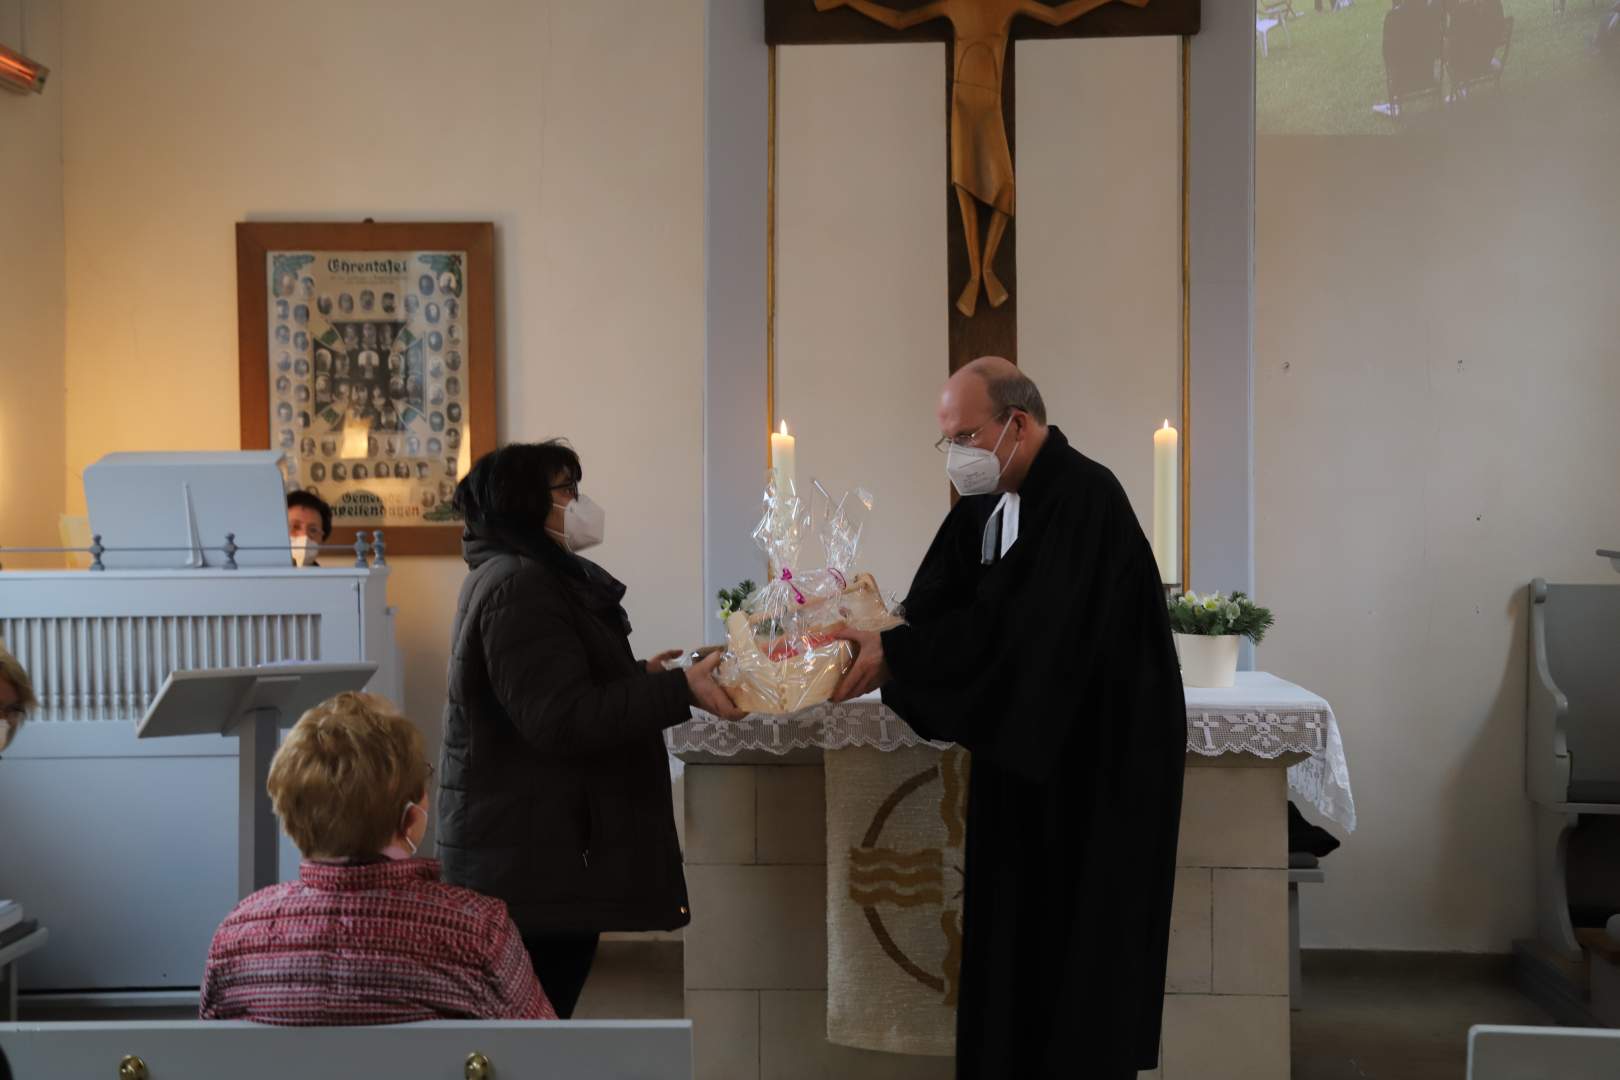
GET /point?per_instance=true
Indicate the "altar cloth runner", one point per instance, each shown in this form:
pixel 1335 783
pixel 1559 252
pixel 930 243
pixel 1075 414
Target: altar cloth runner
pixel 1261 715
pixel 895 837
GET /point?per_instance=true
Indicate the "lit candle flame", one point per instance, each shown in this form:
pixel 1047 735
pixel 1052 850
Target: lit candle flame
pixel 784 427
pixel 1167 425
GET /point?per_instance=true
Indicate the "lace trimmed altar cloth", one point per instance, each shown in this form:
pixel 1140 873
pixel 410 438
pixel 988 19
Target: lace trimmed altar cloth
pixel 1260 715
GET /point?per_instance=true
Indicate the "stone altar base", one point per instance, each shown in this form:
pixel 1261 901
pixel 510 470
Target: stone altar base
pixel 756 950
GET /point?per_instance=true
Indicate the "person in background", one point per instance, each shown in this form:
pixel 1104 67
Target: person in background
pixel 16 696
pixel 309 523
pixel 368 934
pixel 554 789
pixel 1607 39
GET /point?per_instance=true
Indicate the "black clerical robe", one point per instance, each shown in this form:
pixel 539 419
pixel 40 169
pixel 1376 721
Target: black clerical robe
pixel 1053 664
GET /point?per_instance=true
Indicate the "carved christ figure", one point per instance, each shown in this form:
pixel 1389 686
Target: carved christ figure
pixel 981 160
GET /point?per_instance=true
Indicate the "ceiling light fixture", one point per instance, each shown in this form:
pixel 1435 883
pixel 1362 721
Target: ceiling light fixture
pixel 21 74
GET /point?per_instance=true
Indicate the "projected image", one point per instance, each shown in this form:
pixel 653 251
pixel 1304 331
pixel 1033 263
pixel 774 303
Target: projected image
pixel 1370 67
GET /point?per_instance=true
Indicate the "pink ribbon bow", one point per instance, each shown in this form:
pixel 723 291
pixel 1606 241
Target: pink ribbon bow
pixel 787 576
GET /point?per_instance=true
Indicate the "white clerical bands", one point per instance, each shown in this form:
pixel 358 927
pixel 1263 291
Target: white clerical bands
pixel 1006 512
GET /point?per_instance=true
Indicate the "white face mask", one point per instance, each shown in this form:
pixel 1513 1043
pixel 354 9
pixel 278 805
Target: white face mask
pixel 584 524
pixel 303 552
pixel 975 471
pixel 405 827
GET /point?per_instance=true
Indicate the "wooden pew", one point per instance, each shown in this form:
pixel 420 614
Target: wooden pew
pixel 440 1050
pixel 1542 1053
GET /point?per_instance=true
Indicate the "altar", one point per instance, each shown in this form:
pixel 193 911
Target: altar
pixel 819 852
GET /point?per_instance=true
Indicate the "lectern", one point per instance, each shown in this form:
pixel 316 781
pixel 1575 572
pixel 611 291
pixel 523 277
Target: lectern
pixel 252 704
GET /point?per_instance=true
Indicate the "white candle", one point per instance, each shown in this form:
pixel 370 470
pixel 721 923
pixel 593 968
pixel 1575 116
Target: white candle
pixel 782 463
pixel 1167 503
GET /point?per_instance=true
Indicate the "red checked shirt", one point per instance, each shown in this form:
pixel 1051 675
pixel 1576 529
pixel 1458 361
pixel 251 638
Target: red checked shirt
pixel 374 943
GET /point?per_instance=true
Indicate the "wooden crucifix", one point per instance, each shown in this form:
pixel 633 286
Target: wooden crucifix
pixel 978 34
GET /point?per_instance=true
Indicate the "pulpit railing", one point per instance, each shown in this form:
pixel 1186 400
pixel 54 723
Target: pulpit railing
pixel 372 552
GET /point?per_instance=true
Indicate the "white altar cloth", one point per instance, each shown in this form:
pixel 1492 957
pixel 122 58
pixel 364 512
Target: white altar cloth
pixel 1261 715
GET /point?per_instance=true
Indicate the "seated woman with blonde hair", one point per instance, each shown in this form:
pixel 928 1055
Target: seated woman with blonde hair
pixel 16 696
pixel 368 934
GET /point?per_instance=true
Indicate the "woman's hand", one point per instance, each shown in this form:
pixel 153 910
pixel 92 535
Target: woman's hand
pixel 707 694
pixel 656 664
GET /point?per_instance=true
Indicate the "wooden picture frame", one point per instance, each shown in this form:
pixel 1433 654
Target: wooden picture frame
pixel 366 352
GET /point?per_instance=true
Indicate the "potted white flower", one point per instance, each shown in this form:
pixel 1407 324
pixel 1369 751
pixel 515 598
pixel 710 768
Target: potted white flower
pixel 1207 630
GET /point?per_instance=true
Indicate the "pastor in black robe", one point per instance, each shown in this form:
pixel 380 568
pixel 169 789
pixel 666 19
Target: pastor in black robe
pixel 1054 666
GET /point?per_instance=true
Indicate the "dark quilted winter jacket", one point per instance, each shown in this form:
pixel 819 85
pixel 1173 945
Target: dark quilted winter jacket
pixel 554 791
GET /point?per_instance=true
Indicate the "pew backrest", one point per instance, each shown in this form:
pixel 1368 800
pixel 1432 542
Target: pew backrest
pixel 1542 1053
pixel 439 1050
pixel 1572 749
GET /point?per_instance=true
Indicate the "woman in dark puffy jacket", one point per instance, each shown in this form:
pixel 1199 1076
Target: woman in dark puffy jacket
pixel 554 791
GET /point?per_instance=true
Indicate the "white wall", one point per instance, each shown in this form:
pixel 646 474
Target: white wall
pixel 577 127
pixel 860 284
pixel 1099 244
pixel 861 264
pixel 735 136
pixel 1437 378
pixel 32 291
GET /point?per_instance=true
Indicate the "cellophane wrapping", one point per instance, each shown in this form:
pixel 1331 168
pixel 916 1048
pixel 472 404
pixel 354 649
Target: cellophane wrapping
pixel 781 656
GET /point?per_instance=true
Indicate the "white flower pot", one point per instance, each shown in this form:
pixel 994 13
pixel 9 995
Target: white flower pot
pixel 1207 661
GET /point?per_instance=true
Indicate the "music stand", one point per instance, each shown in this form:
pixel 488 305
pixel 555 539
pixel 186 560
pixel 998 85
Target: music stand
pixel 172 511
pixel 252 704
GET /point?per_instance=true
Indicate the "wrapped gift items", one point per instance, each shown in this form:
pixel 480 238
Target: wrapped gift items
pixel 781 653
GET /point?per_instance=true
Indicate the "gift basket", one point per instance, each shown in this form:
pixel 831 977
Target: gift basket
pixel 781 655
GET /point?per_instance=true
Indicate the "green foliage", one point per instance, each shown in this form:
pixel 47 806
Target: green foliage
pixel 732 599
pixel 1215 615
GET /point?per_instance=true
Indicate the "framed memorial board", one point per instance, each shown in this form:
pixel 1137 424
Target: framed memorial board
pixel 367 356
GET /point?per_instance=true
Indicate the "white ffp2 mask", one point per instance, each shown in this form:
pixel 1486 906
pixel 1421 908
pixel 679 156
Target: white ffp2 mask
pixel 303 552
pixel 584 524
pixel 975 471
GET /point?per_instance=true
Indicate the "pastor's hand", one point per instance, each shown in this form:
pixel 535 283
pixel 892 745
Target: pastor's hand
pixel 656 664
pixel 707 694
pixel 869 671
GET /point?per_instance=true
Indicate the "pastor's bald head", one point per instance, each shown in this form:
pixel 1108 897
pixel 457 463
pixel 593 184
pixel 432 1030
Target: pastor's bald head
pixel 986 388
pixel 982 402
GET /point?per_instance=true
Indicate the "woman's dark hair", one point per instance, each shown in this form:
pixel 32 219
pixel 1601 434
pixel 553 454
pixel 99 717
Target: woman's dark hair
pixel 315 503
pixel 510 488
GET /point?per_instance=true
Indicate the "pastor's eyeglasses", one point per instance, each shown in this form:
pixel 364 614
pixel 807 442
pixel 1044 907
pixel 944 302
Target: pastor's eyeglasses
pixel 966 438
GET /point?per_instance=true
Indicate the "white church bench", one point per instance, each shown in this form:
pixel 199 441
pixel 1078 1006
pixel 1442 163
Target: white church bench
pixel 1572 735
pixel 1308 872
pixel 1542 1053
pixel 440 1050
pixel 9 955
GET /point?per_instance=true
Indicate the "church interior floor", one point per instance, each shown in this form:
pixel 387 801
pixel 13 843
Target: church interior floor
pixel 638 980
pixel 1366 1016
pixel 1389 1016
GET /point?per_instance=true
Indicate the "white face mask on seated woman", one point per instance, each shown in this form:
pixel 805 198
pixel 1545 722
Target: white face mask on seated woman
pixel 584 524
